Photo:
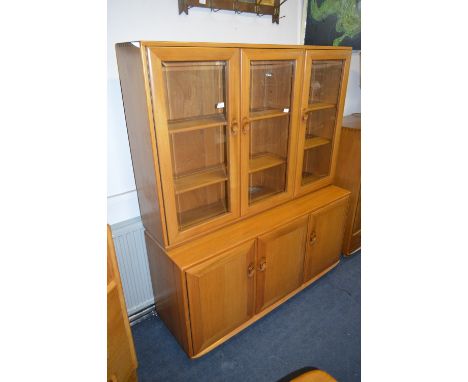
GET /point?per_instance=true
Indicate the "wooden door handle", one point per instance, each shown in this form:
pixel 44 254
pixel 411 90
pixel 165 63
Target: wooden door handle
pixel 250 270
pixel 313 238
pixel 234 127
pixel 245 126
pixel 262 266
pixel 305 115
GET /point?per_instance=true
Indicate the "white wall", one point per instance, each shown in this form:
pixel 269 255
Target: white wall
pixel 353 94
pixel 160 20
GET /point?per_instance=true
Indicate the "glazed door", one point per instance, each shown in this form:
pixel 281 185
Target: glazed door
pixel 270 92
pixel 195 95
pixel 280 260
pixel 325 238
pixel 325 79
pixel 221 294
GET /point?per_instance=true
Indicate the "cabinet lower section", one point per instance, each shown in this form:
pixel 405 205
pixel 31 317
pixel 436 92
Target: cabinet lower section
pixel 211 288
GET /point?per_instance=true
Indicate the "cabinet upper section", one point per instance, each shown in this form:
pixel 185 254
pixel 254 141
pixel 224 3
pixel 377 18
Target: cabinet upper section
pixel 149 44
pixel 230 129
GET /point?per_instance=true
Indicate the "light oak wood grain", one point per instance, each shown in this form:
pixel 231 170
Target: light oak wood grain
pixel 271 80
pixel 121 357
pixel 326 228
pixel 314 376
pixel 157 56
pixel 280 262
pixel 145 43
pixel 167 282
pixel 263 313
pixel 225 135
pixel 139 119
pixel 325 81
pixel 348 175
pixel 221 294
pixel 211 244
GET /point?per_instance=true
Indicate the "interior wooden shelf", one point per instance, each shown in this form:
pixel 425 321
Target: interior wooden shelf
pixel 308 177
pixel 188 124
pixel 264 161
pixel 200 214
pixel 312 142
pixel 267 113
pixel 200 179
pixel 261 193
pixel 320 106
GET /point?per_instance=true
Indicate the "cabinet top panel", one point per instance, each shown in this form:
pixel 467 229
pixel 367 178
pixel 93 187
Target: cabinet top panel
pixel 236 45
pixel 211 244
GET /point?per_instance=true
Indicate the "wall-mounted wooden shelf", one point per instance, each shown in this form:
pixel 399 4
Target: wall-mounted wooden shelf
pixel 259 7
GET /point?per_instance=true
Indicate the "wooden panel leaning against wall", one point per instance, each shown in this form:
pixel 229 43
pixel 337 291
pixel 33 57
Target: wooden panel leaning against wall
pixel 348 175
pixel 121 357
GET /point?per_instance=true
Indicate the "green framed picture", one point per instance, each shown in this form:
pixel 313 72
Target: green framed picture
pixel 334 22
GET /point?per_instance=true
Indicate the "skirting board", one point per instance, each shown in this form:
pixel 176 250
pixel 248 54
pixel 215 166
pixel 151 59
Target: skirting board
pixel 130 249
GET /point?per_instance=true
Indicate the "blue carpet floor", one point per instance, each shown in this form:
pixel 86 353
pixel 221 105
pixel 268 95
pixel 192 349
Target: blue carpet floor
pixel 319 327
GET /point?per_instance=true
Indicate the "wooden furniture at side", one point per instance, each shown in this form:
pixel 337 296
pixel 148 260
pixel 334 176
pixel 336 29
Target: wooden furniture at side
pixel 121 357
pixel 348 175
pixel 234 149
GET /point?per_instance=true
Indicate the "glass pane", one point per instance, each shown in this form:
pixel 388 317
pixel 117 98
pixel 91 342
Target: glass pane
pixel 195 89
pixel 325 81
pixel 270 85
pixel 196 110
pixel 320 130
pixel 270 102
pixel 201 204
pixel 268 182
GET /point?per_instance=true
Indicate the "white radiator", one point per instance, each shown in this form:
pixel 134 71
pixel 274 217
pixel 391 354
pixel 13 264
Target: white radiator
pixel 130 249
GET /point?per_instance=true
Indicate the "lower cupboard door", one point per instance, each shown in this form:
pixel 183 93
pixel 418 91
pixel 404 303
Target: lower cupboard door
pixel 221 294
pixel 280 262
pixel 325 238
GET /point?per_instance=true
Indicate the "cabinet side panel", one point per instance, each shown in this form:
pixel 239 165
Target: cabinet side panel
pixel 169 293
pixel 142 149
pixel 348 176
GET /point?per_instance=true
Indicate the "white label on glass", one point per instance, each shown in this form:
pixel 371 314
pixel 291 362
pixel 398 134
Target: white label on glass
pixel 285 110
pixel 268 74
pixel 202 1
pixel 220 105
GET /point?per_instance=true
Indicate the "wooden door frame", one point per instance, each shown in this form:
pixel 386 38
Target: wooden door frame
pixel 248 55
pixel 302 125
pixel 154 58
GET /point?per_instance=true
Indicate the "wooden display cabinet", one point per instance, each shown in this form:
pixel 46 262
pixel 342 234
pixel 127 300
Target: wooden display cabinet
pixel 227 143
